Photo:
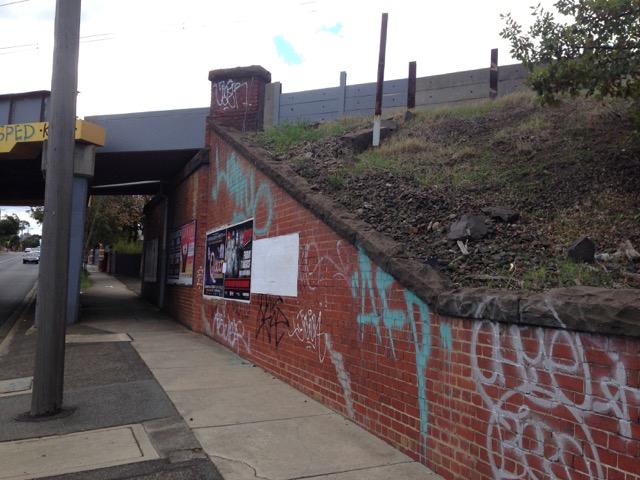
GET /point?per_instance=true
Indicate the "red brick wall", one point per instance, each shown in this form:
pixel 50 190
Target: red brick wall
pixel 469 399
pixel 188 202
pixel 237 97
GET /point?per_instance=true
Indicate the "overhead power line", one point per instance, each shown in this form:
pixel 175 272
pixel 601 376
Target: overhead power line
pixel 13 3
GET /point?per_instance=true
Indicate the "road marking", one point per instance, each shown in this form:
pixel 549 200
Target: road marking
pixel 20 311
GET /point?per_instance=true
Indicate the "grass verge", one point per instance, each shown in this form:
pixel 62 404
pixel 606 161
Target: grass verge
pixel 85 281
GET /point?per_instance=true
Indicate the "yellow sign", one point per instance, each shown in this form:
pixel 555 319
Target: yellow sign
pixel 10 135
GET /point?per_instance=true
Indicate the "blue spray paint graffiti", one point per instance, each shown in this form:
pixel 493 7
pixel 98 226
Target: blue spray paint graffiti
pixel 362 285
pixel 246 197
pixel 392 319
pixel 446 338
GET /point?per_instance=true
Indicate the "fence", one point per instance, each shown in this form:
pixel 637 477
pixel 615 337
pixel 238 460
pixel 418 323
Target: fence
pixel 358 100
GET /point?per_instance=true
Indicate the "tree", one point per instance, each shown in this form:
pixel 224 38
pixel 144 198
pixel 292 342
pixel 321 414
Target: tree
pixel 9 227
pixel 23 225
pixel 597 53
pixel 30 241
pixel 37 213
pixel 114 218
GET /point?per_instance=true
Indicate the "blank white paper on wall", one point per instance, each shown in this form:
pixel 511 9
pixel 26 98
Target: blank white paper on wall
pixel 274 268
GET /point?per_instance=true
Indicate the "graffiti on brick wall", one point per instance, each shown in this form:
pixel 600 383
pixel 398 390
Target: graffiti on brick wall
pixel 228 94
pixel 272 323
pixel 342 374
pixel 531 379
pixel 227 329
pixel 313 264
pixel 248 198
pixel 307 328
pixel 371 286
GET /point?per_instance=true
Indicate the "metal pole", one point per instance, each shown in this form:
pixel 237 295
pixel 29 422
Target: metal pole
pixel 342 94
pixel 380 81
pixel 493 75
pixel 411 87
pixel 51 309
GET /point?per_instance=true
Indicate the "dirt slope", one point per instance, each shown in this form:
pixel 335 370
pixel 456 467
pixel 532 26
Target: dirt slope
pixel 569 171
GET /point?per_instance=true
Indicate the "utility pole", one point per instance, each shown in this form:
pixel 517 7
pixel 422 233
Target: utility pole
pixel 51 307
pixel 380 81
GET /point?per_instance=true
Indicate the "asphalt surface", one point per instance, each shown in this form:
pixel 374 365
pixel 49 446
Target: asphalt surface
pixel 16 280
pixel 106 384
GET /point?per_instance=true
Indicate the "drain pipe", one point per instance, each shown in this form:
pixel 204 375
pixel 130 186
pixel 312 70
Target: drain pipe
pixel 163 251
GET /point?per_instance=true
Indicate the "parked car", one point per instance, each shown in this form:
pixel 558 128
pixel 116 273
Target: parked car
pixel 31 256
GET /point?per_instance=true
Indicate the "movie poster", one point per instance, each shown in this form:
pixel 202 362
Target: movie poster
pixel 228 262
pixel 181 254
pixel 213 264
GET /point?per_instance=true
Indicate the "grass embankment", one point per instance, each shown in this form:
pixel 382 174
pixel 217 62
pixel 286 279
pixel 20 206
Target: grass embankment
pixel 570 170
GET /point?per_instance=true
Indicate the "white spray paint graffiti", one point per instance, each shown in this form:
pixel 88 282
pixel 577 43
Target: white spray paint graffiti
pixel 313 277
pixel 225 94
pixel 307 327
pixel 527 381
pixel 229 330
pixel 232 332
pixel 343 375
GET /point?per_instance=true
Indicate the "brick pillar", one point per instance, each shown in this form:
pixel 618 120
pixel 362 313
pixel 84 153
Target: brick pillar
pixel 237 97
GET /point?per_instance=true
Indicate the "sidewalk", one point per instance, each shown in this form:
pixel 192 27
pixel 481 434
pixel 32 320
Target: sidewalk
pixel 249 424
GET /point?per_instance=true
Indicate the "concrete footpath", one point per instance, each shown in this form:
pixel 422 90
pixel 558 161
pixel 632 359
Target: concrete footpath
pixel 155 400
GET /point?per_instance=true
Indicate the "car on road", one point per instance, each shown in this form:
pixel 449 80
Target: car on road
pixel 31 255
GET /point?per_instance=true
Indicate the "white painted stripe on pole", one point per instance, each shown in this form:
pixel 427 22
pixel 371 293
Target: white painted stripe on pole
pixel 376 130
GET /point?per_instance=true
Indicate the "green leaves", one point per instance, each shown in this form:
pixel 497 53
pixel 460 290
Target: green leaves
pixel 596 52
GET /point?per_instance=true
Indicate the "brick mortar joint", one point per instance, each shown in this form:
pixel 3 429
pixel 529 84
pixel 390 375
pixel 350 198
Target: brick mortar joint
pixel 581 309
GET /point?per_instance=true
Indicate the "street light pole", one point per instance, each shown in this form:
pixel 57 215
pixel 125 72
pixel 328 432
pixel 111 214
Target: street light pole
pixel 51 308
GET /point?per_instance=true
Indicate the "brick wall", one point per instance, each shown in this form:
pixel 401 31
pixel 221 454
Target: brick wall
pixel 469 399
pixel 188 203
pixel 237 96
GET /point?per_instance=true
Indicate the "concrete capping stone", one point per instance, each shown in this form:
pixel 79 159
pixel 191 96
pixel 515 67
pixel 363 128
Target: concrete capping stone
pixel 584 309
pixel 581 309
pixel 240 72
pixel 480 303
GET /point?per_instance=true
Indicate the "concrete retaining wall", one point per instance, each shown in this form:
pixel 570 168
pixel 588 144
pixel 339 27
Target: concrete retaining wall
pixel 359 100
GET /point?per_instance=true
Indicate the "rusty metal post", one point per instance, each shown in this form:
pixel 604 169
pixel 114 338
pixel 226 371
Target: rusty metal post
pixel 411 87
pixel 380 81
pixel 493 75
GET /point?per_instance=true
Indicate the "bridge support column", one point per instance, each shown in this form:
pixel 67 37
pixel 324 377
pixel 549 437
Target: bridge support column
pixel 83 163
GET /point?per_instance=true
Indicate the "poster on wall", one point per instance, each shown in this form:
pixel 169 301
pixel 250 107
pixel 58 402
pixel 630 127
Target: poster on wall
pixel 275 265
pixel 228 255
pixel 181 254
pixel 151 260
pixel 213 264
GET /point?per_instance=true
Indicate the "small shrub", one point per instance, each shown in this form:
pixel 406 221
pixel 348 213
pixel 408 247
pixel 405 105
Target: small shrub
pixel 125 247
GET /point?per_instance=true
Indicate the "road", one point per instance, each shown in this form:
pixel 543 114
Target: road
pixel 16 280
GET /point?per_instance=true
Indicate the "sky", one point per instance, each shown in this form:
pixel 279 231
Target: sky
pixel 145 55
